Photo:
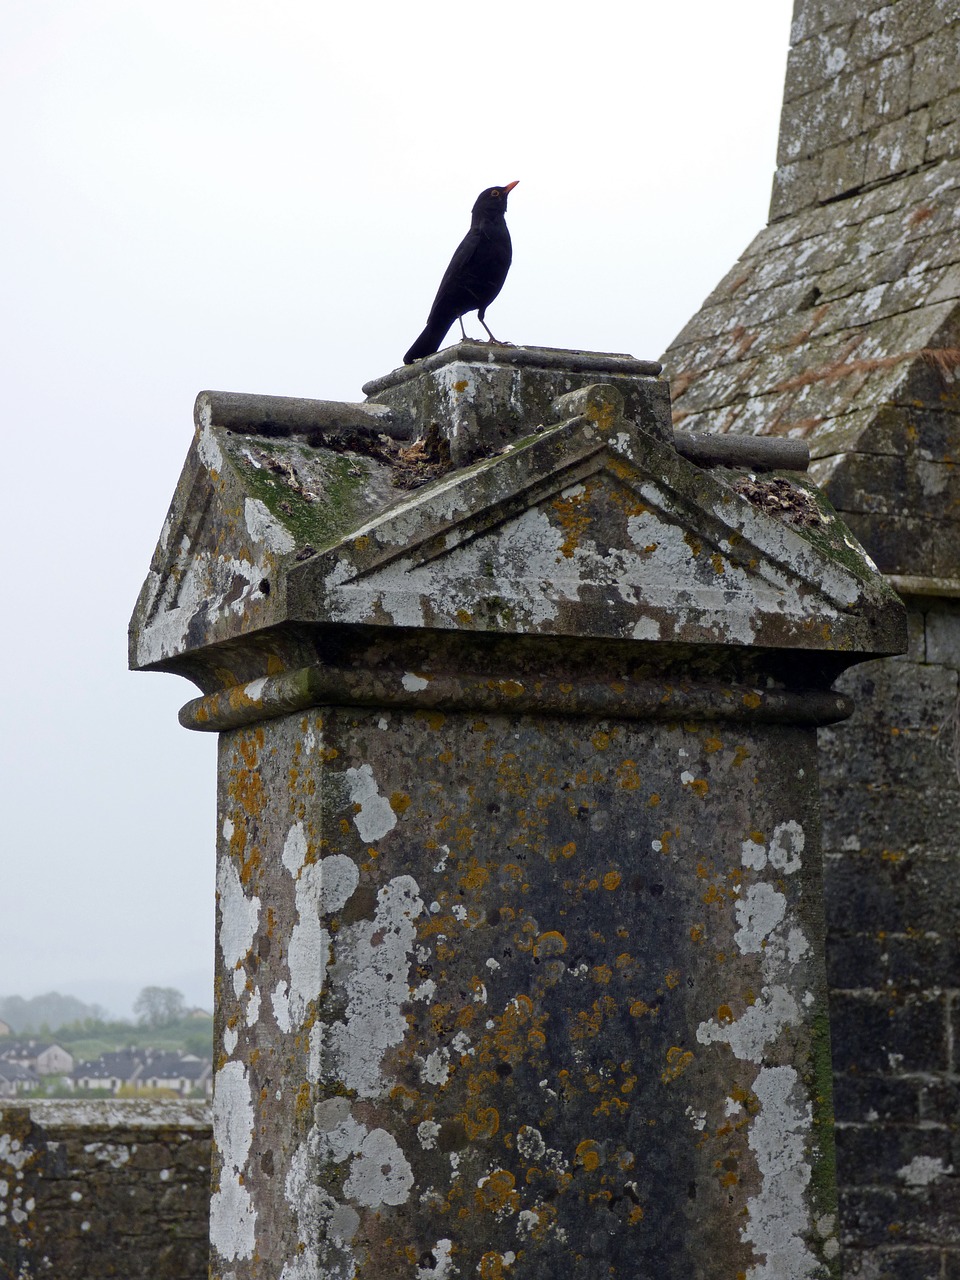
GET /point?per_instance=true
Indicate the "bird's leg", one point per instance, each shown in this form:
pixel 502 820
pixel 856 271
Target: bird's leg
pixel 490 335
pixel 462 329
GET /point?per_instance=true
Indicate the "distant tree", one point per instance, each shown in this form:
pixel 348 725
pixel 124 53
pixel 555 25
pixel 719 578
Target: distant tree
pixel 159 1006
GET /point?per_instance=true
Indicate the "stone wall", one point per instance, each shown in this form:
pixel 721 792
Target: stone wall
pixel 840 325
pixel 891 811
pixel 90 1190
pixel 886 72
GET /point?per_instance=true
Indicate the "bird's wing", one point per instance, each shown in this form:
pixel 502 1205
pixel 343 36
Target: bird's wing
pixel 457 273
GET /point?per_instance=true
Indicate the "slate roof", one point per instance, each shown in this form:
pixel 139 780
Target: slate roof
pixel 840 323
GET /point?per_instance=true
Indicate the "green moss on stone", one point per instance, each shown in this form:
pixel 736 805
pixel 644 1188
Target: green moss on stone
pixel 336 478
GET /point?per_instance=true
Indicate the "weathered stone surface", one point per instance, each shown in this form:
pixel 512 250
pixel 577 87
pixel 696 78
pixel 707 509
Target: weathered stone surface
pixel 519 909
pixel 840 326
pixel 525 1037
pixel 90 1190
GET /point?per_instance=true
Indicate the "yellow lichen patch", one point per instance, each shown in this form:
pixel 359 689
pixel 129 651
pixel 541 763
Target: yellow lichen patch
pixel 714 894
pixel 509 688
pixel 635 1215
pixel 476 876
pixel 751 700
pixel 546 1216
pixel 612 880
pixel 710 745
pixel 492 1267
pixel 628 779
pixel 892 855
pixel 697 933
pixel 249 792
pixel 600 740
pixel 695 545
pixel 601 973
pixel 717 561
pixel 699 786
pixel 464 618
pixel 672 978
pixel 639 1008
pixel 569 849
pixel 623 960
pixel 249 866
pixel 435 719
pixel 525 937
pixel 302 1103
pixel 654 800
pixel 551 943
pixel 399 802
pixel 739 756
pixel 678 1060
pixel 724 1014
pixel 484 1123
pixel 589 1021
pixel 574 518
pixel 497 1191
pixel 588 1154
pixel 461 385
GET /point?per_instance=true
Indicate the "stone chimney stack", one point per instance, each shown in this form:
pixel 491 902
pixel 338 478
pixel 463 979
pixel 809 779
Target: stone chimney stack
pixel 520 965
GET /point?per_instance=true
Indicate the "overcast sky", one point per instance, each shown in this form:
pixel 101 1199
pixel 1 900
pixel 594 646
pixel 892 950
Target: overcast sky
pixel 262 197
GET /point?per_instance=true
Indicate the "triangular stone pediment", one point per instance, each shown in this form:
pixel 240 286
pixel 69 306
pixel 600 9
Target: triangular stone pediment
pixel 603 531
pixel 590 528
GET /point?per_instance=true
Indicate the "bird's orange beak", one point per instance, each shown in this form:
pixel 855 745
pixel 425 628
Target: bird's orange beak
pixel 509 187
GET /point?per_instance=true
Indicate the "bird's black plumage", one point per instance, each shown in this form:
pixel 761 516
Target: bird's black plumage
pixel 475 275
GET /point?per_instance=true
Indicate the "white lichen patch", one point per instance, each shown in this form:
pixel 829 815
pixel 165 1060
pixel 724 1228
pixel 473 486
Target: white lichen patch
pixel 780 1134
pixel 786 847
pixel 208 447
pixel 232 1215
pixel 374 817
pixel 778 1215
pixel 759 911
pixel 322 887
pixel 923 1171
pixel 264 529
pixel 441 1268
pixel 239 917
pixel 427 1133
pixel 759 1025
pixel 372 971
pixel 380 1173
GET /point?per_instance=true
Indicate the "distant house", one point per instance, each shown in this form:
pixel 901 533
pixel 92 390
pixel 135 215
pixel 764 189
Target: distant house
pixel 40 1056
pixel 180 1073
pixel 5 1028
pixel 15 1079
pixel 110 1071
pixel 137 1069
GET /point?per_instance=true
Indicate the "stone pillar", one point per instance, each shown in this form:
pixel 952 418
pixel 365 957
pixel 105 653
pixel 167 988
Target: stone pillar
pixel 520 963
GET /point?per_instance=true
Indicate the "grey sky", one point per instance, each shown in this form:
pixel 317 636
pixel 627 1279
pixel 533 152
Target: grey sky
pixel 262 197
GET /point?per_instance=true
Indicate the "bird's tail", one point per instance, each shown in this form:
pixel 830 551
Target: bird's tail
pixel 429 341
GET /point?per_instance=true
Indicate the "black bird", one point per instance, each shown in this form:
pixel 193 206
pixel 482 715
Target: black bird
pixel 475 275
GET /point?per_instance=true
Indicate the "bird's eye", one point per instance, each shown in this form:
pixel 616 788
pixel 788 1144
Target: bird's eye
pixel 495 193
